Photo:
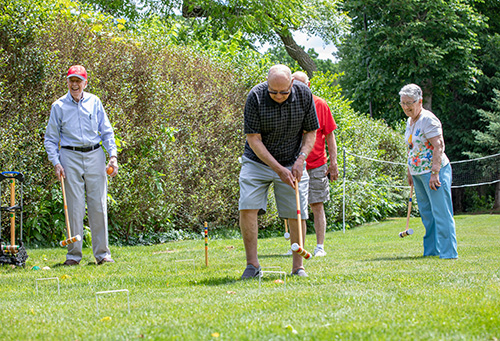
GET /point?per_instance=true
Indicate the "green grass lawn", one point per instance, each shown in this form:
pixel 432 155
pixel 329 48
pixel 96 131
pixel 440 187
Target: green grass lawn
pixel 371 285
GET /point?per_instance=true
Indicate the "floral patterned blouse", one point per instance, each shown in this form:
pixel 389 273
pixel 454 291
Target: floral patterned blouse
pixel 417 137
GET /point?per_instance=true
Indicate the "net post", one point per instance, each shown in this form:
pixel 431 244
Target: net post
pixel 343 192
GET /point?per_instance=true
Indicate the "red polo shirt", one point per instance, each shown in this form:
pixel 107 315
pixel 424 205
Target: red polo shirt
pixel 327 124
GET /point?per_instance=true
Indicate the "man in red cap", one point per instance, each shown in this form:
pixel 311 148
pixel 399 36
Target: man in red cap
pixel 79 124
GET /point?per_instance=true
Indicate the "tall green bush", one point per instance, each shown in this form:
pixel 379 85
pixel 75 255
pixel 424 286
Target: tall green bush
pixel 176 114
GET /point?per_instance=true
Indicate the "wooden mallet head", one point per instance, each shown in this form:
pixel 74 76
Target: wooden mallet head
pixel 406 233
pixel 300 251
pixel 71 240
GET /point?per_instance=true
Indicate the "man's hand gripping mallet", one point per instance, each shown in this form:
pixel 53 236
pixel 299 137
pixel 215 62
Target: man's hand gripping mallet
pixel 298 247
pixel 70 239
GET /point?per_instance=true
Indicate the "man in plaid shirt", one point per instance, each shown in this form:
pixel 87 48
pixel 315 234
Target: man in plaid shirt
pixel 280 127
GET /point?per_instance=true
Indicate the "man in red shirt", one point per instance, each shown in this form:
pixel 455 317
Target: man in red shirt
pixel 317 165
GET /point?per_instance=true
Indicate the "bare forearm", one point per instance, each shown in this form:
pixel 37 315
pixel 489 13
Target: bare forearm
pixel 437 154
pixel 332 147
pixel 308 140
pixel 255 142
pixel 332 169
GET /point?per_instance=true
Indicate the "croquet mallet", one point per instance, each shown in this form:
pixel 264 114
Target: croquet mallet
pixel 70 239
pixel 287 235
pixel 14 254
pixel 12 248
pixel 298 247
pixel 408 232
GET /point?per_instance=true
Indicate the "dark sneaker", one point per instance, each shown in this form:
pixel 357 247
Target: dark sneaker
pixel 105 260
pixel 300 273
pixel 251 272
pixel 70 262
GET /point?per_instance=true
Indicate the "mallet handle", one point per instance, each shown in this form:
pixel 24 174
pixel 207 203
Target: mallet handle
pixel 409 208
pixel 65 208
pixel 299 217
pixel 286 225
pixel 206 243
pixel 12 213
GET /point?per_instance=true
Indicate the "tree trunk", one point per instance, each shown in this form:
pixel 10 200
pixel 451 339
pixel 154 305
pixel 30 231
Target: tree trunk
pixel 367 65
pixel 298 53
pixel 190 10
pixel 427 94
pixel 458 196
pixel 496 206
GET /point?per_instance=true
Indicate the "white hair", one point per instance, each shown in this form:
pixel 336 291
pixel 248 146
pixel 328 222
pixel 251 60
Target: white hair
pixel 301 77
pixel 412 91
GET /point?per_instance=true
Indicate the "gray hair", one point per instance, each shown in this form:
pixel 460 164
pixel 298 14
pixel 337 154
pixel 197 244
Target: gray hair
pixel 411 90
pixel 301 77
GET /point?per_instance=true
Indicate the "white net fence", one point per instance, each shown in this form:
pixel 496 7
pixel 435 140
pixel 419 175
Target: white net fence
pixel 476 172
pixel 371 175
pixel 466 173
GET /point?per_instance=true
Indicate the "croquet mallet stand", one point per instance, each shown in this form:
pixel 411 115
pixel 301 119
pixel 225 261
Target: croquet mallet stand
pixel 18 256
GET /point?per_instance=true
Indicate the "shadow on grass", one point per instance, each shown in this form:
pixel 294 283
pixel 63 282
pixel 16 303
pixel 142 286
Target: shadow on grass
pixel 381 259
pixel 275 256
pixel 58 265
pixel 214 281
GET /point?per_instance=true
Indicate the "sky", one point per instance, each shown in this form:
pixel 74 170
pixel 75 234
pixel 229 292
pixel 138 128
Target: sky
pixel 324 51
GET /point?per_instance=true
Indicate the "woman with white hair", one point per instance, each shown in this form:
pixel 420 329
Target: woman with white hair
pixel 429 171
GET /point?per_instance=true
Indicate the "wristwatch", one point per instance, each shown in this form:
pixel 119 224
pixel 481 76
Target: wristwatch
pixel 434 172
pixel 302 153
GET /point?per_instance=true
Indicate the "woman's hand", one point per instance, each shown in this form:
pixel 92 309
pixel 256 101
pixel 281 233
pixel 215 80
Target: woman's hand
pixel 434 182
pixel 410 179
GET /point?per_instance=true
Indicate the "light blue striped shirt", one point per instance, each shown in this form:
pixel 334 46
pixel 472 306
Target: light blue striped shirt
pixel 78 124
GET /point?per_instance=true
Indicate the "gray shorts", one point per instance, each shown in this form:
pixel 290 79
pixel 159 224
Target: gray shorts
pixel 319 185
pixel 255 179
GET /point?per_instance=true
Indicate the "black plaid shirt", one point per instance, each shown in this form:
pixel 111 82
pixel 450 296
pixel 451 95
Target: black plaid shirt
pixel 281 126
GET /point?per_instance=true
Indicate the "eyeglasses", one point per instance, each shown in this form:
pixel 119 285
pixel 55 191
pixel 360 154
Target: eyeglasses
pixel 407 104
pixel 279 92
pixel 272 92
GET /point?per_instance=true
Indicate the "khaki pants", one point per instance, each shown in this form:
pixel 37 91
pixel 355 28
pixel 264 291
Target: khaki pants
pixel 86 179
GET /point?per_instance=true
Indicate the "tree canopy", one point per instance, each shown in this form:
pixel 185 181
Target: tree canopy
pixel 392 43
pixel 271 21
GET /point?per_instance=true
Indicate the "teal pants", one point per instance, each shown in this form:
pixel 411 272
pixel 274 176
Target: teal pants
pixel 436 211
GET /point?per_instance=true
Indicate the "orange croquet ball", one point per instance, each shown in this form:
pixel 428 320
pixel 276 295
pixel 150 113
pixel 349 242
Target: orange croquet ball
pixel 110 170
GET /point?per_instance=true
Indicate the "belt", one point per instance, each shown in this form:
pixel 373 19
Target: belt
pixel 83 149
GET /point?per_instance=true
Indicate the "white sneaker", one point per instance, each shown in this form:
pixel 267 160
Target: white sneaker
pixel 288 253
pixel 319 252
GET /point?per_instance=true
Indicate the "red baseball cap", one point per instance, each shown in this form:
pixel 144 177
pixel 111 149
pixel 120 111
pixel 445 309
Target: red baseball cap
pixel 77 71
